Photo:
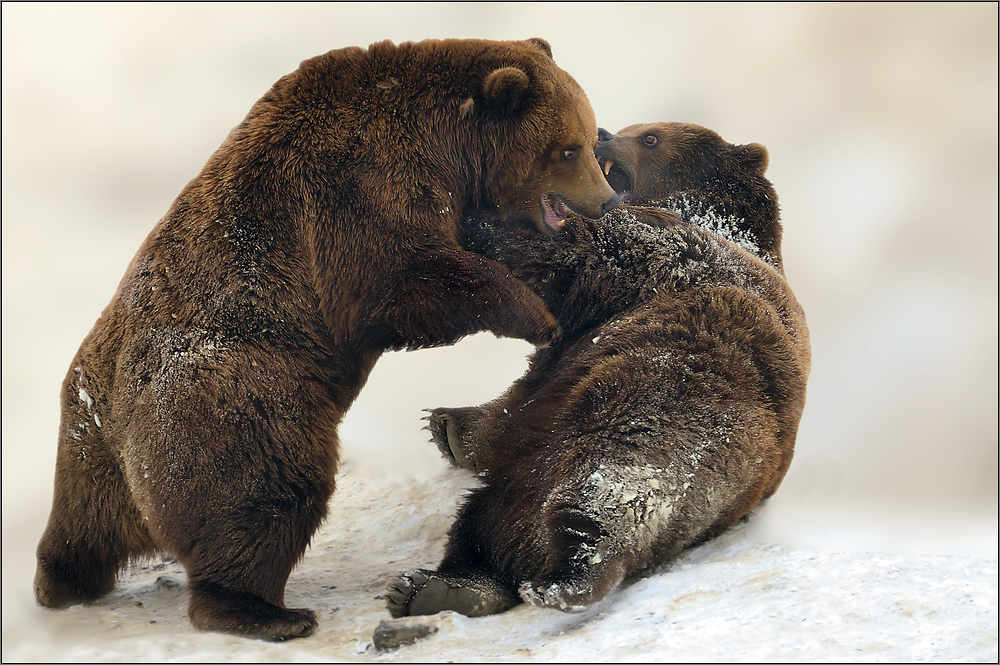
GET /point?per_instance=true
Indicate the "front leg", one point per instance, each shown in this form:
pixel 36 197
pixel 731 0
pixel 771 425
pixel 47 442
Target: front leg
pixel 445 294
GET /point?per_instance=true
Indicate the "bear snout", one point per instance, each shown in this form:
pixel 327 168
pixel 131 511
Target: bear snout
pixel 610 204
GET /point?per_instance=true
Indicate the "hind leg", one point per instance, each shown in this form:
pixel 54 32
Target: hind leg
pixel 244 594
pixel 239 542
pixel 582 566
pixel 466 580
pixel 575 587
pixel 509 531
pixel 236 497
pixel 94 526
pixel 238 560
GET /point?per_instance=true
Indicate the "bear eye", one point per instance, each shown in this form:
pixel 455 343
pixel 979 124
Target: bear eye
pixel 571 153
pixel 650 140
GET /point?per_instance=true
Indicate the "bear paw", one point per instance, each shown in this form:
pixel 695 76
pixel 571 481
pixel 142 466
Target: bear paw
pixel 553 595
pixel 217 609
pixel 547 338
pixel 421 592
pixel 300 622
pixel 437 425
pixel 446 426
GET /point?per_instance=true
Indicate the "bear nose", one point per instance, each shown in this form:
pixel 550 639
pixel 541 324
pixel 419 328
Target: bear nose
pixel 603 135
pixel 613 202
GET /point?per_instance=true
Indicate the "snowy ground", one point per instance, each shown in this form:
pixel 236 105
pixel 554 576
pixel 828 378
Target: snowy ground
pixel 733 599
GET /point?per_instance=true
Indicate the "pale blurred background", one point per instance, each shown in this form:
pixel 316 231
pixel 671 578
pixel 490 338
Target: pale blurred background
pixel 881 121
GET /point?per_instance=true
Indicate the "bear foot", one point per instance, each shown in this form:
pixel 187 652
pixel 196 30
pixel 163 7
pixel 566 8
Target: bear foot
pixel 422 592
pixel 216 609
pixel 59 584
pixel 56 593
pixel 553 595
pixel 447 427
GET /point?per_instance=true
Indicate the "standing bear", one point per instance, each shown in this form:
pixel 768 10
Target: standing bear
pixel 667 410
pixel 199 416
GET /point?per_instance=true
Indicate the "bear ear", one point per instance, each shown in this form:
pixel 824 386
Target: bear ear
pixel 507 86
pixel 753 156
pixel 542 45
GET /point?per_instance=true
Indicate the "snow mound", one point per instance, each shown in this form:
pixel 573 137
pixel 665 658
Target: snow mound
pixel 732 599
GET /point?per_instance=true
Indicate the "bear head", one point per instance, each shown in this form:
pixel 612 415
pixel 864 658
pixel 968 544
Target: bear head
pixel 706 180
pixel 542 103
pixel 649 162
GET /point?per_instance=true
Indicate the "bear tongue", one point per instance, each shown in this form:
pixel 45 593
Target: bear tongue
pixel 553 219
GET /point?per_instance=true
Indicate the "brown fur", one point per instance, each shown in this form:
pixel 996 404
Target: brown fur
pixel 667 411
pixel 199 416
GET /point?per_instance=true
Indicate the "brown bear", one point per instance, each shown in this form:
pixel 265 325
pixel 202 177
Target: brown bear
pixel 199 416
pixel 664 414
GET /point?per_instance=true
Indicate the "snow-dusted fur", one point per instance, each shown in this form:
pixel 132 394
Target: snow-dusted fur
pixel 666 412
pixel 200 415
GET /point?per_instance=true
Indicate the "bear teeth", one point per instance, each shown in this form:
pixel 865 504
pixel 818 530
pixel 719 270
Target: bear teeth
pixel 554 212
pixel 607 166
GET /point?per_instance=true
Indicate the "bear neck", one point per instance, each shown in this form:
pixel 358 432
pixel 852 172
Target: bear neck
pixel 629 257
pixel 592 271
pixel 746 214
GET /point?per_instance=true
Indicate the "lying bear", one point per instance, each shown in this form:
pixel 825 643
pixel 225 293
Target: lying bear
pixel 199 416
pixel 668 409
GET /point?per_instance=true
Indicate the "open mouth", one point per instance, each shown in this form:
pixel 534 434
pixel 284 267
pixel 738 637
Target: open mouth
pixel 554 210
pixel 617 177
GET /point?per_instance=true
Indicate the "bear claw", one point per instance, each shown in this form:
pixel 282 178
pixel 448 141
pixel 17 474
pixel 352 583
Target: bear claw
pixel 299 623
pixel 437 423
pixel 445 428
pixel 552 595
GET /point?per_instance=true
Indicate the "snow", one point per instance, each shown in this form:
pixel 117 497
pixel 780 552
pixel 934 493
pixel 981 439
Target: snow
pixel 728 226
pixel 736 598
